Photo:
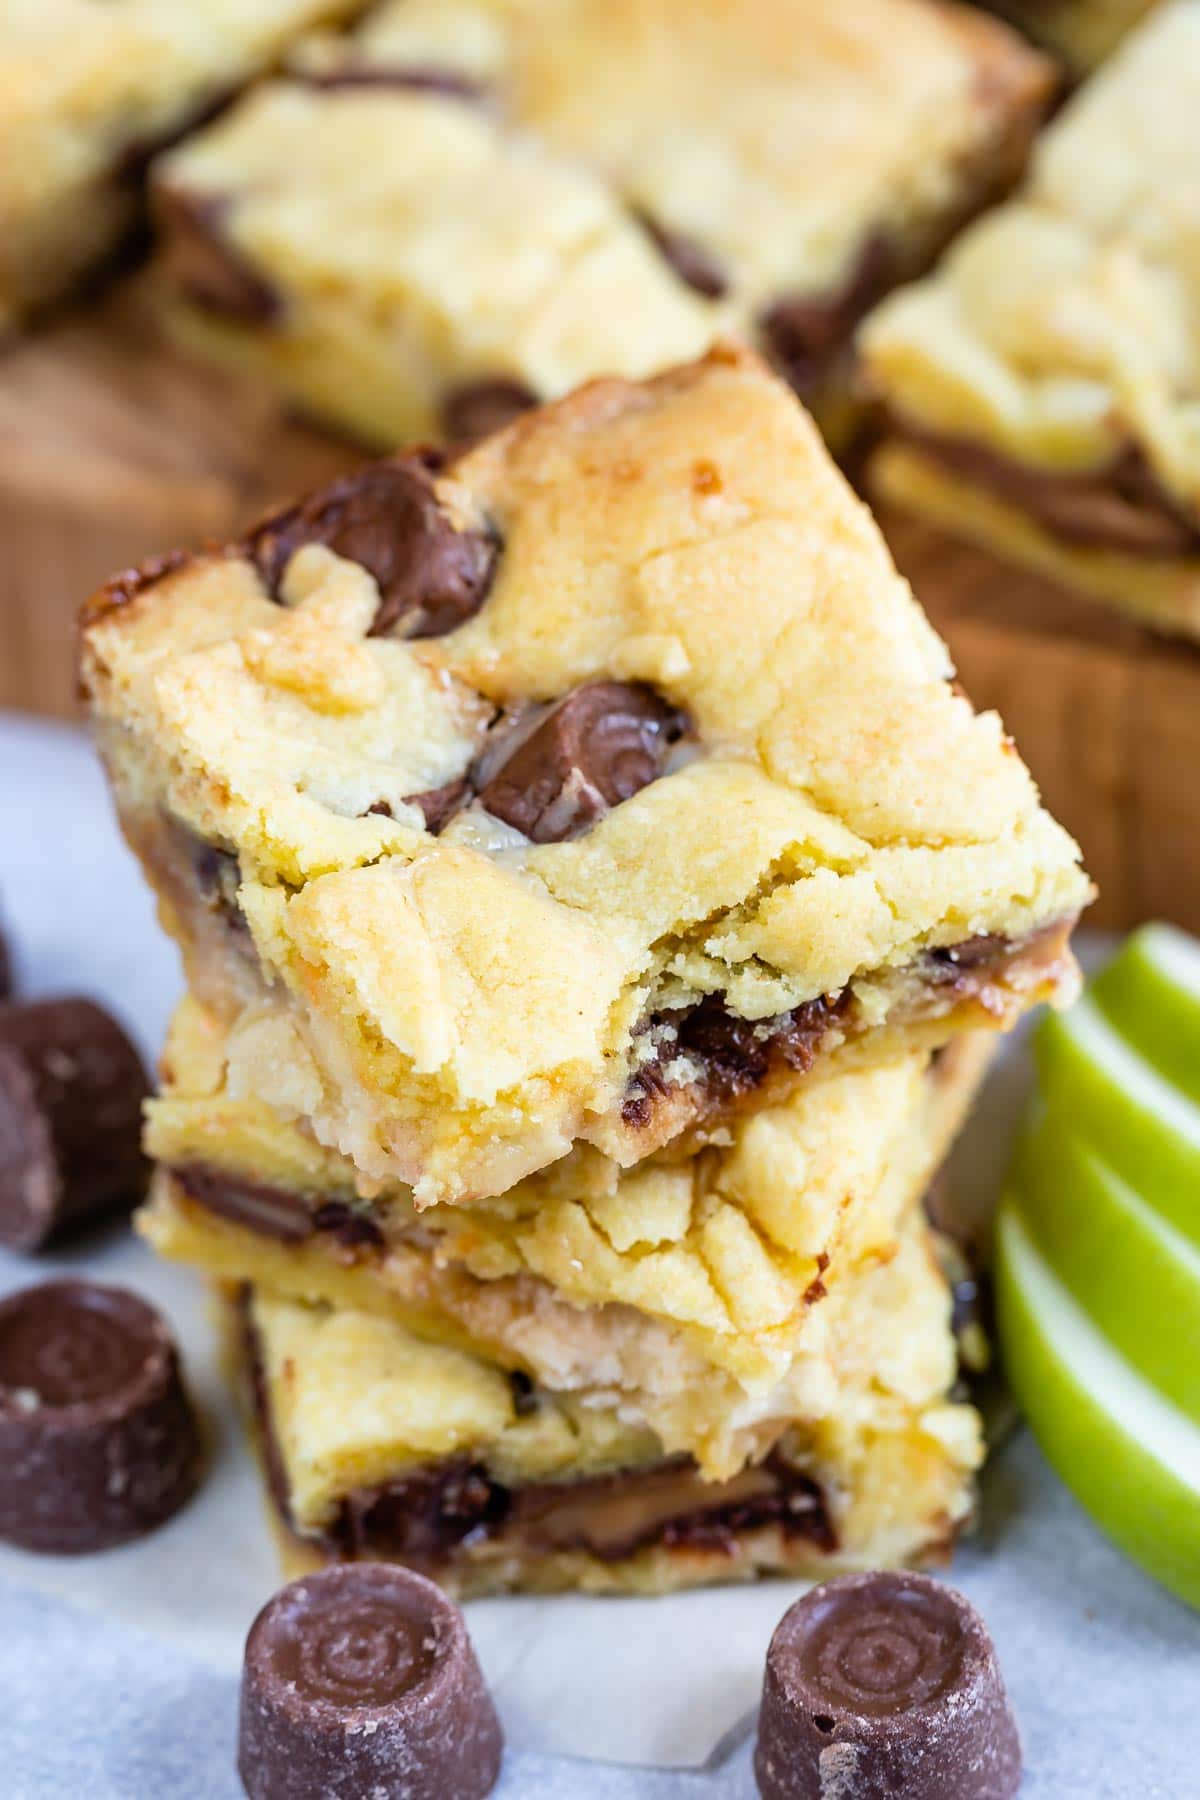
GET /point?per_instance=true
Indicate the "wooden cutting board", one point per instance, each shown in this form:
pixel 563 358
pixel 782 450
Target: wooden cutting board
pixel 114 447
pixel 1106 714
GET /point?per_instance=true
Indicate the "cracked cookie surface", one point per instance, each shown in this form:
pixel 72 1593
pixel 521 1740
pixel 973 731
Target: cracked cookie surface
pixel 830 852
pixel 583 190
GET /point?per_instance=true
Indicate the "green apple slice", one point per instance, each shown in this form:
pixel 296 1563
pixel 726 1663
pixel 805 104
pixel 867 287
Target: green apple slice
pixel 1134 1275
pixel 1151 993
pixel 1145 1127
pixel 1129 1455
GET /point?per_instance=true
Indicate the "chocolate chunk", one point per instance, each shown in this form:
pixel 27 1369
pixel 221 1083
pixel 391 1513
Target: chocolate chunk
pixel 524 1394
pixel 273 1212
pixel 424 1518
pixel 432 577
pixel 71 1093
pixel 478 408
pixel 350 1229
pixel 218 878
pixel 693 264
pixel 420 80
pixel 288 1216
pixel 362 1680
pixel 804 333
pixel 973 953
pixel 98 1442
pixel 206 265
pixel 440 804
pixel 885 1684
pixel 736 1055
pixel 554 771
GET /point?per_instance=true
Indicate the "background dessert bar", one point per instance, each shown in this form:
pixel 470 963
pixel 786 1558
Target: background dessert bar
pixel 87 93
pixel 1040 382
pixel 458 211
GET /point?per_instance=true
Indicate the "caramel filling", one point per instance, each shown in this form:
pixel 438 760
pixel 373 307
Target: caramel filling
pixel 426 1517
pixel 706 1061
pixel 435 1515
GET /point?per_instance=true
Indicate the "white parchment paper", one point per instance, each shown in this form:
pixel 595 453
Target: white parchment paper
pixel 1104 1667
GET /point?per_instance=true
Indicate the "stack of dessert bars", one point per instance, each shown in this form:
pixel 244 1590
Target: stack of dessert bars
pixel 597 901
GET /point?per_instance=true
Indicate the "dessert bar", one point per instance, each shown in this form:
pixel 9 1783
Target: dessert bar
pixel 1041 383
pixel 379 1446
pixel 592 786
pixel 461 209
pixel 700 1296
pixel 87 92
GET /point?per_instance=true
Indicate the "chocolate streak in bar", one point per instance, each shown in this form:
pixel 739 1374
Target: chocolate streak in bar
pixel 1121 506
pixel 432 1517
pixel 733 1057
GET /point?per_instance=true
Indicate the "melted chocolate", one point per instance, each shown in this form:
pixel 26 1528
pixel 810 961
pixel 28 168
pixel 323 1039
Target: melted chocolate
pixel 432 576
pixel 737 1055
pixel 805 333
pixel 352 1230
pixel 426 1517
pixel 476 409
pixel 552 772
pixel 1122 506
pixel 957 965
pixel 202 260
pixel 218 877
pixel 281 1213
pixel 691 261
pixel 439 805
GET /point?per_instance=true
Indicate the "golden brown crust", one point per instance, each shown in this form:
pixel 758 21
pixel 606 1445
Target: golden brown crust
pixel 458 1010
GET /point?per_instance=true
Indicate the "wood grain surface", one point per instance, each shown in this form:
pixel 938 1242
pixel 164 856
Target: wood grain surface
pixel 1106 714
pixel 114 447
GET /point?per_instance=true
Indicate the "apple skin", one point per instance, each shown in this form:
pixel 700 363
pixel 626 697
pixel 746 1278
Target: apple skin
pixel 1150 992
pixel 1143 1505
pixel 1144 1128
pixel 1128 1270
